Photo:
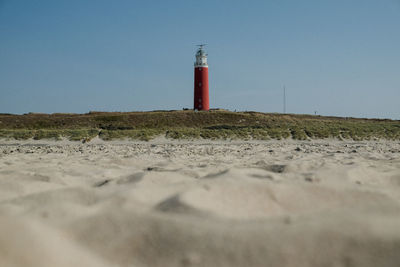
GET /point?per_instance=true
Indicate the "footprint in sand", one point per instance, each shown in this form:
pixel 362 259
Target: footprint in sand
pixel 276 168
pixel 133 178
pixel 175 205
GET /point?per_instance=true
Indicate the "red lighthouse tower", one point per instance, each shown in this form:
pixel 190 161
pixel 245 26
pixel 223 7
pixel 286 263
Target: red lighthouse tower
pixel 201 99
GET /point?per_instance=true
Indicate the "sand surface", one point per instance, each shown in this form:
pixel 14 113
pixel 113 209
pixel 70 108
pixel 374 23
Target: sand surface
pixel 288 203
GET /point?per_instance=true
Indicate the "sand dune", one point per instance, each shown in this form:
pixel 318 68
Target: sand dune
pixel 277 203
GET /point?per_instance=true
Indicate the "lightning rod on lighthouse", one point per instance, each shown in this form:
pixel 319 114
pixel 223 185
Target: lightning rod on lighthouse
pixel 201 98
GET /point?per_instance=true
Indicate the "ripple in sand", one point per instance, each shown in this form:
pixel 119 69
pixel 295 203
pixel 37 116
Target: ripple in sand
pixel 215 175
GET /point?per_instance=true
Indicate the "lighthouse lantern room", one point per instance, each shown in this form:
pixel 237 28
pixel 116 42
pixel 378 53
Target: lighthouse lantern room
pixel 201 98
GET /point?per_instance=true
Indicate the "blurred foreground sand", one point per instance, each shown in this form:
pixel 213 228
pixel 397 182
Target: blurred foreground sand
pixel 277 203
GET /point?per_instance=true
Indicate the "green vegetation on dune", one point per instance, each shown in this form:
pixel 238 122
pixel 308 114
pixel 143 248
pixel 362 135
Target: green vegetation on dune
pixel 55 134
pixel 192 125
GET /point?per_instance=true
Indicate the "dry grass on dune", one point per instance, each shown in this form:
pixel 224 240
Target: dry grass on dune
pixel 217 124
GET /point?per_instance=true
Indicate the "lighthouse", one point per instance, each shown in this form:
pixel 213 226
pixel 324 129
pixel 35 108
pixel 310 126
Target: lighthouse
pixel 201 99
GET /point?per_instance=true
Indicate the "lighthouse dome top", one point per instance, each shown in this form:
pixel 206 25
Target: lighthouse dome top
pixel 201 52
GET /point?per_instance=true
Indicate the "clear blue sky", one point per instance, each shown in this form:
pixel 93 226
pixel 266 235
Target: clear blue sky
pixel 338 57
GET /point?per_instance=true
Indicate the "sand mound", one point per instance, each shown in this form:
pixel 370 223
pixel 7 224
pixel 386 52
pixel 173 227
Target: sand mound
pixel 217 204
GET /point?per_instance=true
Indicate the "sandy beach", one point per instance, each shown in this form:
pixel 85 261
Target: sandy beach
pixel 163 203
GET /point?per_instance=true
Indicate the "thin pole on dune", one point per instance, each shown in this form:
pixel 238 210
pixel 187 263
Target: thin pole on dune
pixel 284 99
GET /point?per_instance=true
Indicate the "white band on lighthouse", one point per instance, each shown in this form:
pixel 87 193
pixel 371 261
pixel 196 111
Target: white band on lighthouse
pixel 201 58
